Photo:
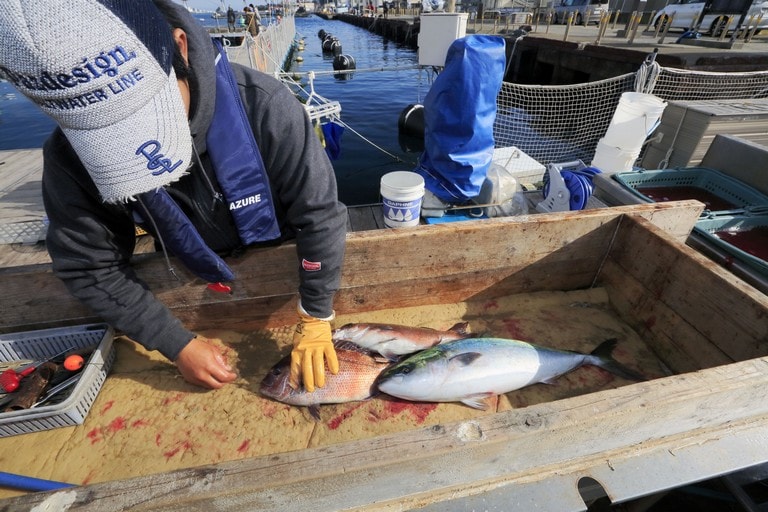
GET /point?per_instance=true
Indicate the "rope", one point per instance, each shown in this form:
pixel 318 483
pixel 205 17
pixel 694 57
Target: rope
pixel 345 125
pixel 358 70
pixel 647 75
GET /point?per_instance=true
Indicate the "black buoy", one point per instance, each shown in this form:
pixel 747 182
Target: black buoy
pixel 331 44
pixel 343 62
pixel 411 121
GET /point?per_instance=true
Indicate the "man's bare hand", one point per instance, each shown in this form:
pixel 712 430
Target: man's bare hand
pixel 202 363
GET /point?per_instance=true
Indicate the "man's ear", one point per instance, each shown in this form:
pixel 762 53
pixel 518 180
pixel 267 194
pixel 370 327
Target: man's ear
pixel 181 41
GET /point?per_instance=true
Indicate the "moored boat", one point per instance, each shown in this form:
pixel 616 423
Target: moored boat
pixel 630 260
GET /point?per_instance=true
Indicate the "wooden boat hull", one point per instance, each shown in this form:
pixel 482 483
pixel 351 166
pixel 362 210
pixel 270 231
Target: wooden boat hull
pixel 706 325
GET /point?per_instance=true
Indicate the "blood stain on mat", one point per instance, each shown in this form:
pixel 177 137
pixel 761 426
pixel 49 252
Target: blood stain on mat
pixel 244 447
pixel 512 327
pixel 117 424
pixel 175 398
pixel 418 411
pixel 220 435
pixel 88 477
pixel 95 435
pixel 551 316
pixel 107 406
pixel 182 446
pixel 339 419
pixel 490 305
pixel 140 423
pixel 269 409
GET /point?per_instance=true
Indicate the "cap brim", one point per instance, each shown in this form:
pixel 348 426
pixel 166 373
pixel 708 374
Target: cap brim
pixel 145 151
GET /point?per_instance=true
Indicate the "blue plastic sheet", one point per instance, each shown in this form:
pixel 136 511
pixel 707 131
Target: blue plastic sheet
pixel 332 133
pixel 459 111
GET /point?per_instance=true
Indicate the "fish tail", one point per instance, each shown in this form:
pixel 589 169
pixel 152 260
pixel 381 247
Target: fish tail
pixel 604 359
pixel 461 328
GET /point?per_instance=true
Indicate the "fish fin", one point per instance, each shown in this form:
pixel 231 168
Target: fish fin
pixel 603 354
pixel 605 349
pixel 384 358
pixel 460 328
pixel 465 359
pixel 391 356
pixel 550 382
pixel 477 401
pixel 337 333
pixel 353 347
pixel 314 411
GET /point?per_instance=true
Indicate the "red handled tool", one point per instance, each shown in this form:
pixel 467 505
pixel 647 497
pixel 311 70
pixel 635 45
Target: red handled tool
pixel 10 378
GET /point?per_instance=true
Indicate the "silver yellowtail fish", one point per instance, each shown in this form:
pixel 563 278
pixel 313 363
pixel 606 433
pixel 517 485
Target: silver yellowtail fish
pixel 392 341
pixel 473 369
pixel 358 369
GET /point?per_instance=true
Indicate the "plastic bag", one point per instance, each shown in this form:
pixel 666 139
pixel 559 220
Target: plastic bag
pixel 503 192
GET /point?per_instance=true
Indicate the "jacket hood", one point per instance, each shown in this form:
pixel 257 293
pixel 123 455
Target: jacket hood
pixel 202 80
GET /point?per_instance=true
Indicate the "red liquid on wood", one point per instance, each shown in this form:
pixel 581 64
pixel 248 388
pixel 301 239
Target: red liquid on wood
pixel 753 241
pixel 664 194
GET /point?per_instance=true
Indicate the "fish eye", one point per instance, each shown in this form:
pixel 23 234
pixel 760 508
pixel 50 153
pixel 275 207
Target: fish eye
pixel 276 371
pixel 406 370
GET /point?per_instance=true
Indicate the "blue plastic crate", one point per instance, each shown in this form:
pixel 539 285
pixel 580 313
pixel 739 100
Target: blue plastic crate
pixel 716 183
pixel 736 222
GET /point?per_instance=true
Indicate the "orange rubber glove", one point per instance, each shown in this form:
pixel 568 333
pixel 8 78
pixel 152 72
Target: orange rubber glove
pixel 312 348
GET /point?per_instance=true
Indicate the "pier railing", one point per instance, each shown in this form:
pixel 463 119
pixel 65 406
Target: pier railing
pixel 268 51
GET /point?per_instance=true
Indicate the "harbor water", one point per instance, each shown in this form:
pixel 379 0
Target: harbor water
pixel 371 103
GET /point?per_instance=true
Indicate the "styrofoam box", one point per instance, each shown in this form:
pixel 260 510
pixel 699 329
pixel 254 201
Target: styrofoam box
pixel 524 168
pixel 47 343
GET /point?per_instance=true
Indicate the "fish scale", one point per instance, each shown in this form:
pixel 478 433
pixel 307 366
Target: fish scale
pixel 358 370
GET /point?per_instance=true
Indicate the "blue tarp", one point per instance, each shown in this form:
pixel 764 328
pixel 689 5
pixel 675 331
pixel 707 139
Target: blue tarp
pixel 332 133
pixel 459 111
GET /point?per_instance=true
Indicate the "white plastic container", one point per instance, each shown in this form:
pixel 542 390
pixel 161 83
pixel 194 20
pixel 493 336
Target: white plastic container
pixel 402 193
pixel 610 159
pixel 636 116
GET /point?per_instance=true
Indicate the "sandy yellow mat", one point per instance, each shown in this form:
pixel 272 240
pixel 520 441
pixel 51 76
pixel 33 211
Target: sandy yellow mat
pixel 146 419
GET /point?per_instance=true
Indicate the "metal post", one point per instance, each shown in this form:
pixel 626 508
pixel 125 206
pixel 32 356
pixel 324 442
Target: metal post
pixel 666 28
pixel 743 16
pixel 650 20
pixel 568 26
pixel 635 24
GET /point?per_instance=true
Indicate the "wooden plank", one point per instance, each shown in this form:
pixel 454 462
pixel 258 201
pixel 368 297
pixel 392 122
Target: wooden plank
pixel 671 338
pixel 716 305
pixel 361 218
pixel 634 440
pixel 383 268
pixel 675 428
pixel 17 167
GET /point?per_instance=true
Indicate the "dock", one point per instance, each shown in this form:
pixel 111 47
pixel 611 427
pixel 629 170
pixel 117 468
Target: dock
pixel 562 54
pixel 22 216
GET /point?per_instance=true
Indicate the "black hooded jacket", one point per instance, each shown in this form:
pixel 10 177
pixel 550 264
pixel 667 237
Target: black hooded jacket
pixel 91 242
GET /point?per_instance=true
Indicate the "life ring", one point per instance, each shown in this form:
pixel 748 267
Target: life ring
pixel 411 121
